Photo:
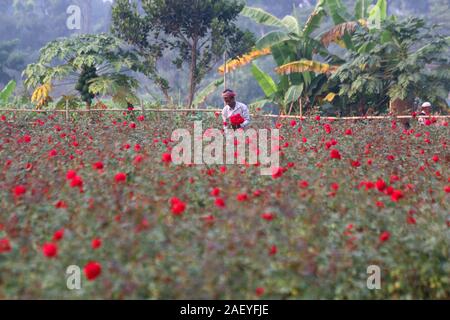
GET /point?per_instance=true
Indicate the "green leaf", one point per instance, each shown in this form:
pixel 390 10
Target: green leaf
pixel 7 91
pixel 263 17
pixel 291 24
pixel 362 9
pixel 315 18
pixel 264 80
pixel 271 39
pixel 293 94
pixel 207 91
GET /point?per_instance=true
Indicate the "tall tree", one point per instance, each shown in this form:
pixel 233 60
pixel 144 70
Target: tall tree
pixel 199 31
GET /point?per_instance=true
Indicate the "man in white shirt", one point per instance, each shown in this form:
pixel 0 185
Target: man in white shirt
pixel 425 110
pixel 233 107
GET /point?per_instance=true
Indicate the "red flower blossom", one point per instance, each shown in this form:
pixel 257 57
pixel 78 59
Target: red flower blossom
pixel 138 159
pixel 178 206
pixel 380 204
pixel 384 236
pixel 76 182
pixel 61 204
pixel 381 185
pixel 92 270
pixel 58 235
pixel 120 177
pixel 236 119
pixel 5 245
pixel 242 197
pixel 19 190
pixel 259 291
pixel 355 163
pixel 410 220
pixel 277 172
pixel 166 158
pixel 71 174
pixel 215 192
pixel 334 154
pixel 396 195
pixel 219 202
pixel 273 250
pixel 52 153
pixel 268 216
pixel 96 243
pixel 98 165
pixel 50 250
pixel 348 132
pixel 303 184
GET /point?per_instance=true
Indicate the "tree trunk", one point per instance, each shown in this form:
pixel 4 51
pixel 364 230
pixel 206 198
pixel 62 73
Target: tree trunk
pixel 193 67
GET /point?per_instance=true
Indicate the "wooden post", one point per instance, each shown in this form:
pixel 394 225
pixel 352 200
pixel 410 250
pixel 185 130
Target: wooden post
pixel 301 107
pixel 225 70
pixel 67 110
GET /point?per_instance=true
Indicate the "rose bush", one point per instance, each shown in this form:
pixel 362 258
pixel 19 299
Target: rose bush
pixel 106 196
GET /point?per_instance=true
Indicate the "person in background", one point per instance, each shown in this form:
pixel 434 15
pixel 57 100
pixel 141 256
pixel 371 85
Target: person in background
pixel 425 110
pixel 233 108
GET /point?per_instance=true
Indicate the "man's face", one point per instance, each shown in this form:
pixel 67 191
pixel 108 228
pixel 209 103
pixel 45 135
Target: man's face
pixel 427 110
pixel 231 101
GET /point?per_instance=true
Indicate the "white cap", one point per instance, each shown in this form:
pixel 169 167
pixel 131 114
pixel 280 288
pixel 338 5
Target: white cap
pixel 426 104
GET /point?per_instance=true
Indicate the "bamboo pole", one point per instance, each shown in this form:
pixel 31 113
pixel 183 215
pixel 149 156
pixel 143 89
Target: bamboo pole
pixel 219 110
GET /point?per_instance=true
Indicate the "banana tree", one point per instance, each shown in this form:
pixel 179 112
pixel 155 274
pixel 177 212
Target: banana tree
pixel 289 41
pixel 95 64
pixel 394 73
pixel 294 48
pixel 7 92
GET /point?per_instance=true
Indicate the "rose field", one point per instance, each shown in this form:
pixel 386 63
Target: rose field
pixel 103 193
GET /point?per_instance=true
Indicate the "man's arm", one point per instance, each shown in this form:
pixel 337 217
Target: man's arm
pixel 245 115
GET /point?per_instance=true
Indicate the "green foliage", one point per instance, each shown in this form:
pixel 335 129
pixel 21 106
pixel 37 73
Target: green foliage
pixel 202 95
pixel 88 73
pixel 85 58
pixel 200 32
pixel 386 70
pixel 7 92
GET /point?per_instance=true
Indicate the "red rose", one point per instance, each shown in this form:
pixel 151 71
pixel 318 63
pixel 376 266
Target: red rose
pixel 268 216
pixel 92 270
pixel 76 182
pixel 381 185
pixel 242 197
pixel 334 154
pixel 236 119
pixel 273 250
pixel 219 202
pixel 19 190
pixel 5 246
pixel 178 206
pixel 50 250
pixel 58 235
pixel 385 236
pixel 120 177
pixel 166 158
pixel 259 291
pixel 98 165
pixel 96 243
pixel 215 192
